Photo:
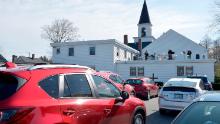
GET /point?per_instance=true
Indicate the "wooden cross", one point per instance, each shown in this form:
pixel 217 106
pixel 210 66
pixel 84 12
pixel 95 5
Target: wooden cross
pixel 153 77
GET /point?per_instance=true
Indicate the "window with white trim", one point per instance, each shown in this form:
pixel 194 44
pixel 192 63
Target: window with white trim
pixel 180 70
pixel 189 70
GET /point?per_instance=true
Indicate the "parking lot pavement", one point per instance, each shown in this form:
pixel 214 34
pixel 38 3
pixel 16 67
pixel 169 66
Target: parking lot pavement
pixel 153 115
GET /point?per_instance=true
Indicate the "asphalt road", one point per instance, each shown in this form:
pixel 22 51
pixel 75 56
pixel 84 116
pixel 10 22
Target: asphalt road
pixel 153 115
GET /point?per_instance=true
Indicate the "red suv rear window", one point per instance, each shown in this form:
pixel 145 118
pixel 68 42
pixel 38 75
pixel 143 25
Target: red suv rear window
pixel 9 84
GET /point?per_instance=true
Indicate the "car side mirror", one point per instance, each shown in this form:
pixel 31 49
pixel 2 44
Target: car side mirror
pixel 124 95
pixel 124 82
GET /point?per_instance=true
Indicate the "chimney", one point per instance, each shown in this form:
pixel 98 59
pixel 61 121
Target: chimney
pixel 14 57
pixel 140 46
pixel 33 56
pixel 126 39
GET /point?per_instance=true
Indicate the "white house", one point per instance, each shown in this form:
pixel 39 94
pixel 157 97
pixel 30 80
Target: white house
pixel 170 55
pixel 98 54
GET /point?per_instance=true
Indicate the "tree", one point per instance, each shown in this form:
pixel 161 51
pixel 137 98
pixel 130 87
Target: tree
pixel 216 50
pixel 46 59
pixel 207 43
pixel 216 24
pixel 61 30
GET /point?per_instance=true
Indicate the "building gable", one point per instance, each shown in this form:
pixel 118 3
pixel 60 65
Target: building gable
pixel 171 40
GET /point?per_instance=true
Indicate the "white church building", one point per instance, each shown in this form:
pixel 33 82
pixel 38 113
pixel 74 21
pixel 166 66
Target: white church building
pixel 170 55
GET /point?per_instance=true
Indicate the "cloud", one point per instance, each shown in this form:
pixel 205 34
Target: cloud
pixel 21 21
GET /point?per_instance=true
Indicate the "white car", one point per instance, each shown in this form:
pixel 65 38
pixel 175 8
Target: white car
pixel 178 93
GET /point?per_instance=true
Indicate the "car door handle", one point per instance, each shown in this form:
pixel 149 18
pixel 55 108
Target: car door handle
pixel 107 111
pixel 69 112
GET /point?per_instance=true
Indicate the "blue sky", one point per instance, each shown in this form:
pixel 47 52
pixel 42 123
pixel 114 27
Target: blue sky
pixel 21 20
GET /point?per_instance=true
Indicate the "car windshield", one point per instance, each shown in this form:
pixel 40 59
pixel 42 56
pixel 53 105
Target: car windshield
pixel 180 84
pixel 9 84
pixel 116 79
pixel 204 79
pixel 134 81
pixel 200 113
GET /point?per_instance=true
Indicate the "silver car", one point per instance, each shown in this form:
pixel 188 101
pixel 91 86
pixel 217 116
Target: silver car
pixel 178 93
pixel 204 110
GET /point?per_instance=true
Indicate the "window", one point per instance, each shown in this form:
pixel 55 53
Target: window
pixel 134 81
pixel 140 71
pixel 92 67
pixel 105 88
pixel 189 70
pixel 9 84
pixel 201 85
pixel 76 85
pixel 58 50
pixel 118 51
pixel 133 71
pixel 203 56
pixel 71 51
pixel 50 86
pixel 180 70
pixel 125 54
pixel 116 79
pixel 197 56
pixel 189 54
pixel 91 50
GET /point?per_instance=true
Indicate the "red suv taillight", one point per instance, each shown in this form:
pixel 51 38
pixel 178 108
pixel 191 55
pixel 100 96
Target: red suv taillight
pixel 13 115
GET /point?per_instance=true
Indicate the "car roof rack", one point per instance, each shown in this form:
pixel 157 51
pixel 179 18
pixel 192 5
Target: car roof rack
pixel 56 66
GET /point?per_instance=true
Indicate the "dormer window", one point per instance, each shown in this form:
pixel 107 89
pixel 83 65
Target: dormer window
pixel 57 51
pixel 125 54
pixel 118 51
pixel 189 54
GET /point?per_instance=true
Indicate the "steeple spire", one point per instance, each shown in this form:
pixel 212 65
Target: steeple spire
pixel 144 18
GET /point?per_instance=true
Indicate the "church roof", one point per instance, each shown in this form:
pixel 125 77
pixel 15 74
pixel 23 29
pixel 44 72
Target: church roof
pixel 2 59
pixel 135 45
pixel 172 40
pixel 144 18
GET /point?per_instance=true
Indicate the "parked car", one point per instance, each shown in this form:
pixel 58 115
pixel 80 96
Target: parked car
pixel 144 87
pixel 207 83
pixel 178 93
pixel 117 80
pixel 64 94
pixel 204 110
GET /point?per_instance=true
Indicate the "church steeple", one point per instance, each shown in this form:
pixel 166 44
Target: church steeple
pixel 144 18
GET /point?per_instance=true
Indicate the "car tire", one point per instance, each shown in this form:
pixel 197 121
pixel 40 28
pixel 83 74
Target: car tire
pixel 138 119
pixel 162 111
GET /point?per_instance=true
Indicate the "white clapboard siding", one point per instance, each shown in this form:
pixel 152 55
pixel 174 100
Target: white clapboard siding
pixel 104 58
pixel 165 70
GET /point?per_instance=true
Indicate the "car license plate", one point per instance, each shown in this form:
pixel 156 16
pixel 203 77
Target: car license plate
pixel 178 96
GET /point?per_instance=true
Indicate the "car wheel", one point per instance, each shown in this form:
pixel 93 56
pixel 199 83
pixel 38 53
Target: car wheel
pixel 162 111
pixel 138 118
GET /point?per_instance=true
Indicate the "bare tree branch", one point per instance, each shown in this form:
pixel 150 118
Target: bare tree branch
pixel 60 31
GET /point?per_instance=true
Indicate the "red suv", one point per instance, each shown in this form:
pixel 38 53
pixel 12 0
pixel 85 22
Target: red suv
pixel 144 87
pixel 64 94
pixel 117 80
